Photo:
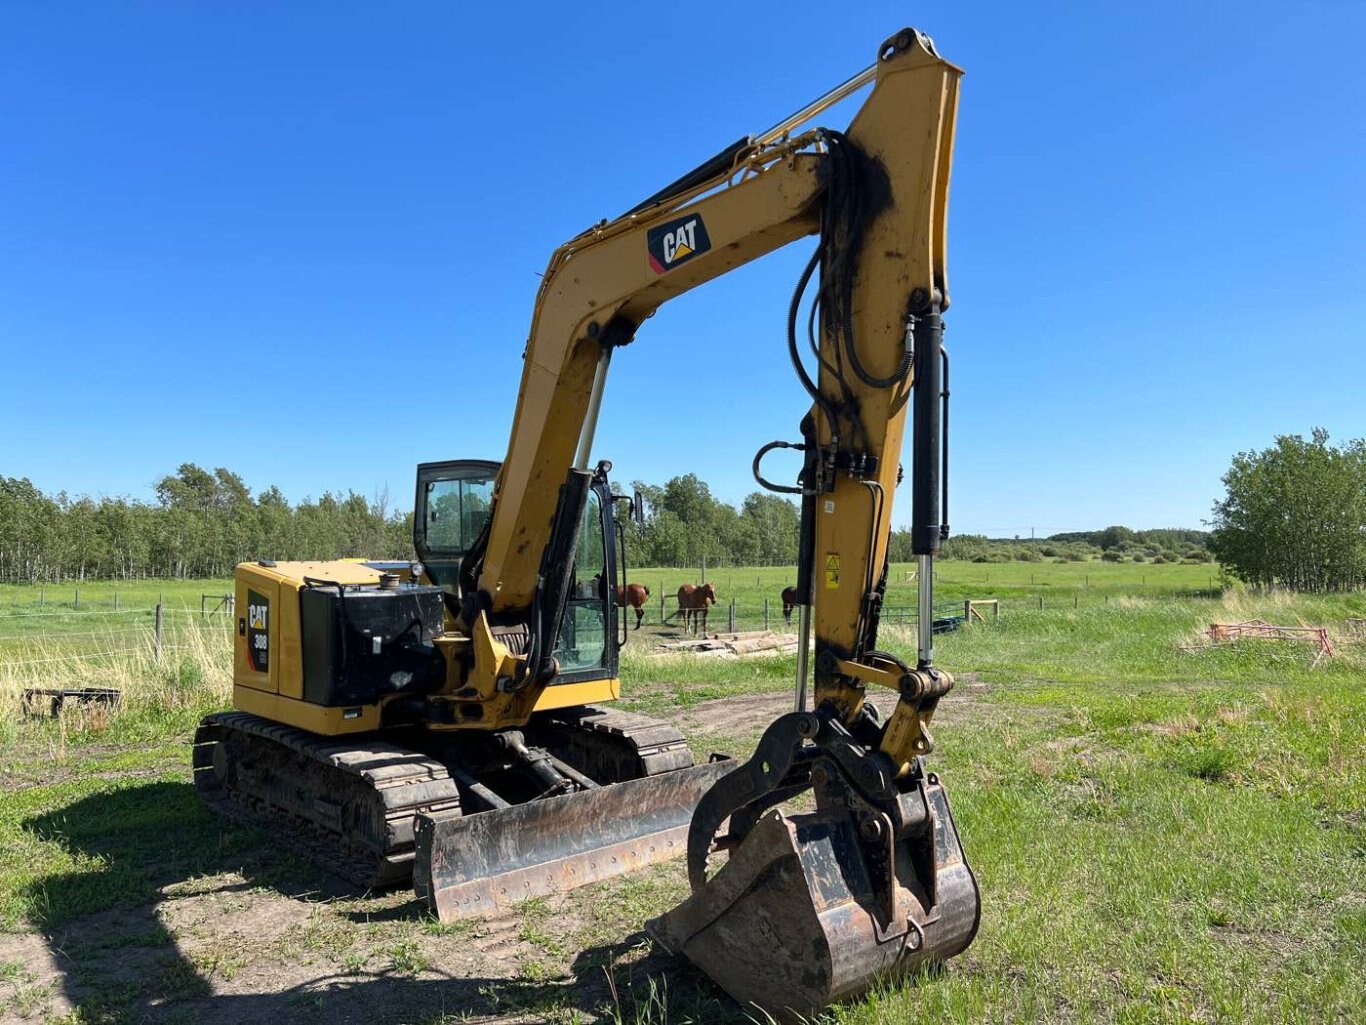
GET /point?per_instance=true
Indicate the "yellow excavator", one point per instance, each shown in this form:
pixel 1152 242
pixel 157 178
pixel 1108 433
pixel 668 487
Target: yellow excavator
pixel 447 722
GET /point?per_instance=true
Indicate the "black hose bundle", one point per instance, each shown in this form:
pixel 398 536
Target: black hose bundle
pixel 843 222
pixel 844 217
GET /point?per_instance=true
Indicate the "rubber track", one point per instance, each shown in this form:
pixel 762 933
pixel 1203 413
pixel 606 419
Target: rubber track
pixel 381 784
pixel 659 745
pixel 407 783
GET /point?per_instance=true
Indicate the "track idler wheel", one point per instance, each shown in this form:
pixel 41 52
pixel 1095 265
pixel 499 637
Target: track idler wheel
pixel 814 908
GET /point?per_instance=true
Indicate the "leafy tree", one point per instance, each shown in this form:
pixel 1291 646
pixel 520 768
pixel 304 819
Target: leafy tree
pixel 1294 515
pixel 1115 537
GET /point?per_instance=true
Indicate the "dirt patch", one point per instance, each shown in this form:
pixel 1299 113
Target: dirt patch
pixel 750 713
pixel 228 952
pixel 37 766
pixel 738 715
pixel 31 983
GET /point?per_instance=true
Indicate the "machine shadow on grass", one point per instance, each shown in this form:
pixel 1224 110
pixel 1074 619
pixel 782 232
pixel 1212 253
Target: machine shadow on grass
pixel 118 961
pixel 653 990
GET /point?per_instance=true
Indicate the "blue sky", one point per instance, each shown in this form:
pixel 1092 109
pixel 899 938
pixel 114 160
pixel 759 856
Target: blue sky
pixel 302 240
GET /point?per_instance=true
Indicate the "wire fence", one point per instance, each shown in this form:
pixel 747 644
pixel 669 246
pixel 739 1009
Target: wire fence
pixel 53 601
pixel 733 617
pixel 36 638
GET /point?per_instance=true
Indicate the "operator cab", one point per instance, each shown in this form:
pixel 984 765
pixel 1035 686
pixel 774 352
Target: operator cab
pixel 451 512
pixel 454 500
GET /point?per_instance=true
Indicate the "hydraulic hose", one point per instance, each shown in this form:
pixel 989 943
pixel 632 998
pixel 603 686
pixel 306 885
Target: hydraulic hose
pixel 794 353
pixel 785 489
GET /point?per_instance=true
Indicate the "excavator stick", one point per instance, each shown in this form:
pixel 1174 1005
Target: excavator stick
pixel 812 908
pixel 475 865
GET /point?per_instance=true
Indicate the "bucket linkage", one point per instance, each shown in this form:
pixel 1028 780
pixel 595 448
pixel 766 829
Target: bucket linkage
pixel 815 907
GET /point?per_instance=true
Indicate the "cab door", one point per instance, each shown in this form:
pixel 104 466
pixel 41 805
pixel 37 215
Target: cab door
pixel 586 648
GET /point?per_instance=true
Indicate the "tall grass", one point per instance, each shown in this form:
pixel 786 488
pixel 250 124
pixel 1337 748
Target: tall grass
pixel 157 696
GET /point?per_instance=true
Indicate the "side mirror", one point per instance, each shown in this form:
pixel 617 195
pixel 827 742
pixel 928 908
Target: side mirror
pixel 638 508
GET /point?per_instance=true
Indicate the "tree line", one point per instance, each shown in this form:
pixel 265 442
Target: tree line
pixel 1113 544
pixel 201 525
pixel 1293 515
pixel 686 524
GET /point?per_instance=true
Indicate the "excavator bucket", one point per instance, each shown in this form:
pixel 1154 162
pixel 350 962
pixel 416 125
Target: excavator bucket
pixel 796 920
pixel 474 865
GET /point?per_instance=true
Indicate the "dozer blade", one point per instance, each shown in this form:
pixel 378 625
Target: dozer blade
pixel 792 923
pixel 473 865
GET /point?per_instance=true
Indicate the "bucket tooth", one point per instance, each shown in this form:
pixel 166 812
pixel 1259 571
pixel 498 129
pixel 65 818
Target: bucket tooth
pixel 474 865
pixel 793 921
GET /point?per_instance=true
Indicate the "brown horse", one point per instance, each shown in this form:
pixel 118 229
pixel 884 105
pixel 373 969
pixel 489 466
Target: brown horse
pixel 693 600
pixel 789 603
pixel 633 595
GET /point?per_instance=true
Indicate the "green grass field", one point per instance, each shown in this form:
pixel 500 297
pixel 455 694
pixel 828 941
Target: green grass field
pixel 1091 581
pixel 77 619
pixel 65 620
pixel 1160 836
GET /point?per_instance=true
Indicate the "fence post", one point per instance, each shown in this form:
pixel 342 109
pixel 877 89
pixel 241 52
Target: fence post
pixel 43 591
pixel 201 605
pixel 158 632
pixel 967 612
pixel 661 603
pixel 732 615
pixel 116 601
pixel 704 569
pixel 77 603
pixel 765 613
pixel 1040 603
pixel 1076 601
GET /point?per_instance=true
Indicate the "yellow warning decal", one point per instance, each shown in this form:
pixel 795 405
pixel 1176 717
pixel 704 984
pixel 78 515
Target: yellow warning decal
pixel 832 571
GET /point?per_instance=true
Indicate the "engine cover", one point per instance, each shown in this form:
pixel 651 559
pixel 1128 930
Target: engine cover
pixel 362 643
